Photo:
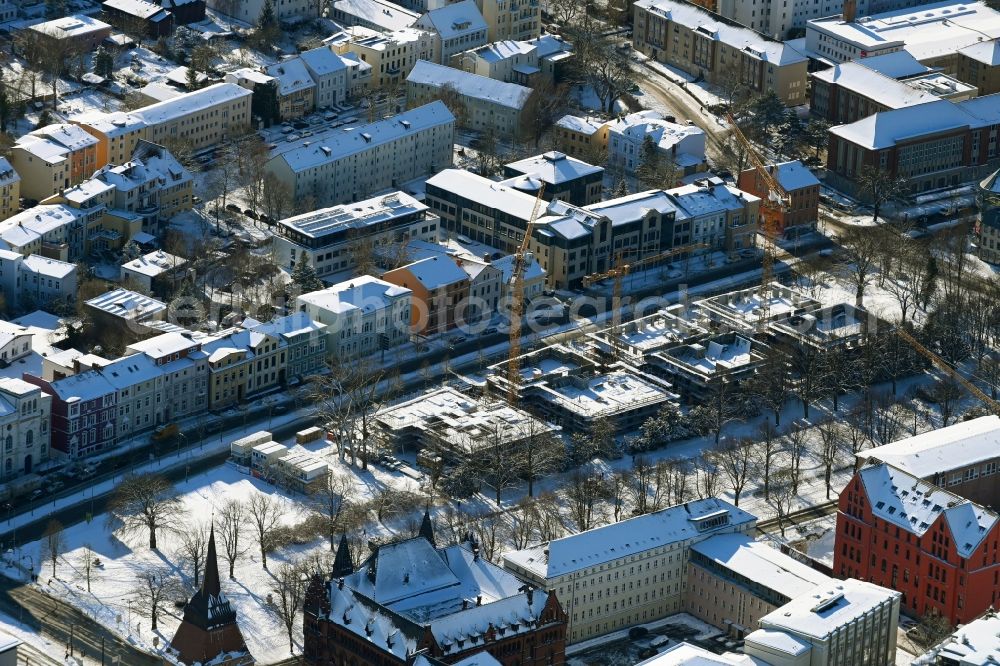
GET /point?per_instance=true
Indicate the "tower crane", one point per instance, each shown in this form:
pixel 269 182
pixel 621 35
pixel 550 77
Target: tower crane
pixel 777 200
pixel 517 303
pixel 618 273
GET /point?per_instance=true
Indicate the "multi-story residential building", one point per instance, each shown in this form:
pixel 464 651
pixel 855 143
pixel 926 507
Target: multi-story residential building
pixel 487 104
pixel 458 604
pixel 117 134
pixel 842 622
pixel 390 55
pixel 508 60
pixel 802 188
pixel 77 32
pixel 974 644
pixel 582 137
pixel 15 342
pixel 511 19
pixel 439 289
pixel 683 146
pixel 363 316
pixel 740 310
pixel 485 290
pixel 10 189
pixel 733 581
pixel 459 27
pixel 565 178
pixel 156 273
pixel 248 11
pixel 378 15
pixel 784 20
pixel 943 30
pixel 705 44
pixel 702 371
pixel 851 91
pixel 936 548
pixel 331 73
pixel 572 391
pixel 988 198
pixel 296 88
pixel 595 575
pixel 84 413
pixel 962 458
pixel 25 426
pixel 43 281
pixel 55 230
pixel 53 158
pixel 305 344
pixel 334 240
pixel 344 165
pixel 932 146
pixel 185 11
pixel 243 363
pixel 979 65
pixel 157 21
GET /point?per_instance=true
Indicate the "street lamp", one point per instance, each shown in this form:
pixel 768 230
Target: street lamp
pixel 179 436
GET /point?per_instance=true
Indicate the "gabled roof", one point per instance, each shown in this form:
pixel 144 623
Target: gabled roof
pixel 364 293
pixel 478 87
pixel 454 20
pixel 793 175
pixel 436 272
pixel 322 61
pixel 292 76
pixel 986 52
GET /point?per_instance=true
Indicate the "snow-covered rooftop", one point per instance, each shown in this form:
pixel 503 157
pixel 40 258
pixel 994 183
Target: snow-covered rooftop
pixel 377 210
pixel 510 95
pixel 739 37
pixel 653 332
pixel 336 144
pixel 146 11
pixel 436 272
pixel 664 134
pixel 70 26
pixel 127 304
pixel 154 263
pixel 292 76
pixel 827 608
pixel 884 90
pixel 322 61
pixel 915 505
pixel 723 353
pixel 793 175
pixel 986 52
pixel 387 15
pixel 192 102
pixel 8 175
pixel 502 50
pixel 365 293
pixel 683 522
pixel 953 447
pixel 553 167
pixel 52 268
pixel 161 346
pixel 581 125
pixel 484 192
pixel 762 563
pixel 685 654
pixel 455 20
pixel 927 31
pixel 897 65
pixel 29 225
pixel 974 644
pixel 53 142
pixel 743 307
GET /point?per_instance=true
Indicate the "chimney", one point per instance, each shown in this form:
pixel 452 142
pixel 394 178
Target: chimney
pixel 531 594
pixel 479 600
pixel 850 11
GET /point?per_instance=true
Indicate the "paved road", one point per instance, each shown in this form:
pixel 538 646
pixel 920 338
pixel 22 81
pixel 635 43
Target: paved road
pixel 675 98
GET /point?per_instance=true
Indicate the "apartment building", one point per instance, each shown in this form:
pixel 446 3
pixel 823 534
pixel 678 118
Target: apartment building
pixel 77 32
pixel 334 240
pixel 248 11
pixel 344 165
pixel 157 273
pixel 390 55
pixel 943 29
pixel 185 11
pixel 117 134
pixel 705 44
pixel 683 146
pixel 331 73
pixel 55 231
pixel 511 19
pixel 988 240
pixel 53 158
pixel 937 548
pixel 782 21
pixel 851 91
pixel 440 290
pixel 933 146
pixel 459 27
pixel 296 88
pixel 10 189
pixel 565 178
pixel 156 21
pixel 960 457
pixel 979 65
pixel 25 426
pixel 84 413
pixel 842 622
pixel 200 118
pixel 581 137
pixel 802 188
pixel 487 104
pixel 304 341
pixel 363 316
pixel 594 573
pixel 36 281
pixel 524 62
pixel 378 15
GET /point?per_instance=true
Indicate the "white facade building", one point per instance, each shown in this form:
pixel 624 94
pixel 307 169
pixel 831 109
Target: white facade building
pixel 248 11
pixel 32 281
pixel 24 426
pixel 330 72
pixel 459 26
pixel 346 164
pixel 684 145
pixel 363 316
pixel 631 572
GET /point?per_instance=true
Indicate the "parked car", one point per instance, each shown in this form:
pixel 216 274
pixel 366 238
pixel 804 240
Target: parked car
pixel 250 213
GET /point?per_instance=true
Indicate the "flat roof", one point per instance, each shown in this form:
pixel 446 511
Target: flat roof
pixel 70 26
pixel 376 210
pixel 959 445
pixel 760 562
pixel 827 608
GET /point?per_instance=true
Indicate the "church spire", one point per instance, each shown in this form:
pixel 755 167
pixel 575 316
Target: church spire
pixel 427 528
pixel 342 563
pixel 210 583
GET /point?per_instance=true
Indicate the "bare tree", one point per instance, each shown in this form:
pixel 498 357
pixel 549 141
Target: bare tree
pixel 708 477
pixel 585 491
pixel 771 384
pixel 193 547
pixel 781 500
pixel 231 522
pixel 768 446
pixel 618 492
pixel 329 502
pixel 145 503
pixel 796 444
pixel 542 454
pixel 88 564
pixel 55 542
pixel 289 589
pixel 565 11
pixel 264 513
pixel 880 186
pixel 736 460
pixel 154 587
pixel 862 249
pixel 831 439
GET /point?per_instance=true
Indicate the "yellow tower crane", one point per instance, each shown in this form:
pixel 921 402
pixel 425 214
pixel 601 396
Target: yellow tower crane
pixel 517 303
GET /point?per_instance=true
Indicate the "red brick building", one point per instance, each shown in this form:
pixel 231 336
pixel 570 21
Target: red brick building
pixel 901 532
pixel 802 187
pixel 445 604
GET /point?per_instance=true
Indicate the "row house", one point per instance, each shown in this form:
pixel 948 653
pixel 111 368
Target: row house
pixel 84 413
pixel 249 11
pixel 458 26
pixel 707 45
pixel 25 413
pixel 52 158
pixel 440 288
pixel 940 144
pixel 390 55
pixel 10 189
